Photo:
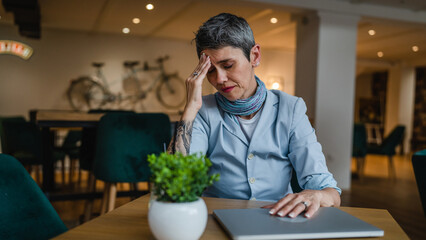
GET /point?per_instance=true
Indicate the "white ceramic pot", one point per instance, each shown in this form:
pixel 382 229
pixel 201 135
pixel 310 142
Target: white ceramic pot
pixel 177 220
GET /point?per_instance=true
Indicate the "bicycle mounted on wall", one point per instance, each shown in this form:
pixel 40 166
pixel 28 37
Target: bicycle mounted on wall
pixel 93 92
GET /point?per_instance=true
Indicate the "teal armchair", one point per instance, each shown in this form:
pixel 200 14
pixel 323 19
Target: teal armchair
pixel 25 211
pixel 419 166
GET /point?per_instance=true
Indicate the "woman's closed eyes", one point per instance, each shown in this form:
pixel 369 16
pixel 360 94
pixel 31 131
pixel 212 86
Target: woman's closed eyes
pixel 224 66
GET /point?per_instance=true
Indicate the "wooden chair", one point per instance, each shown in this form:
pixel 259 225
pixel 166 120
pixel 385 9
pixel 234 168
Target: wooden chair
pixel 123 142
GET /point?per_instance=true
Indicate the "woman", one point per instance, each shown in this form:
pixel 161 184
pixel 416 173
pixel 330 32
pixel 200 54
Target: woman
pixel 254 137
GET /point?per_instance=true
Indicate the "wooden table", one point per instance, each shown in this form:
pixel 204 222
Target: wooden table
pixel 130 221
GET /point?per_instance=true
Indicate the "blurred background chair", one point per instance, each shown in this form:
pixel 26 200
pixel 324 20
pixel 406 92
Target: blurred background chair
pixel 359 147
pixel 123 142
pixel 419 166
pixel 25 211
pixel 2 137
pixel 71 148
pixel 22 140
pixel 86 159
pixel 388 147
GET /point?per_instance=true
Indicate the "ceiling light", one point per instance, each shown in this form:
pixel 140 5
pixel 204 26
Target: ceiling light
pixel 275 85
pixel 149 6
pixel 274 20
pixel 415 48
pixel 371 32
pixel 136 20
pixel 380 54
pixel 126 30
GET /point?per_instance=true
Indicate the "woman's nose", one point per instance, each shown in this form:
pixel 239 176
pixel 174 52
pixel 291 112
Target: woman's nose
pixel 221 77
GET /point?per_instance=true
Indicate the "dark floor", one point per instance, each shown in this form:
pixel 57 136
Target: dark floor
pixel 400 197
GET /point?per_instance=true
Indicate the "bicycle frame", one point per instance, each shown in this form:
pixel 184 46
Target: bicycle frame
pixel 95 90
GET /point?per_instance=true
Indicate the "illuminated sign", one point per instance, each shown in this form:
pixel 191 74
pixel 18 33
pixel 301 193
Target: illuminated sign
pixel 15 48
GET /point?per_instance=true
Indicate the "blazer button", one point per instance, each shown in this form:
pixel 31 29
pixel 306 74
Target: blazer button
pixel 252 180
pixel 250 156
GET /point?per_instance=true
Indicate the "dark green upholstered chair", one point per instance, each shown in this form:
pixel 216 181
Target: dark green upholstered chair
pixel 123 142
pixel 87 156
pixel 388 146
pixel 88 141
pixel 2 136
pixel 23 140
pixel 419 166
pixel 359 147
pixel 24 209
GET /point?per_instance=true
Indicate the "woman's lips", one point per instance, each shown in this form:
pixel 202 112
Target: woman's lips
pixel 227 89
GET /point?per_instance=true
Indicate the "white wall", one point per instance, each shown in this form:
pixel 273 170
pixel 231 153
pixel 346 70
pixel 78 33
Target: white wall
pixel 41 82
pixel 400 101
pixel 278 64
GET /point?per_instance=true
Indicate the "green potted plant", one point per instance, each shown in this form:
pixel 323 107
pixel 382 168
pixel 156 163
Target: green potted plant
pixel 177 211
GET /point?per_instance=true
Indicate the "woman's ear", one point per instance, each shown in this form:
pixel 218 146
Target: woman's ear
pixel 255 55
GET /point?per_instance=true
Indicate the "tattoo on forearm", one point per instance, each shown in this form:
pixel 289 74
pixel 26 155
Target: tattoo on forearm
pixel 182 138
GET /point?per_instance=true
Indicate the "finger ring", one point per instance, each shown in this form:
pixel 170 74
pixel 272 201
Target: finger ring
pixel 305 203
pixel 195 74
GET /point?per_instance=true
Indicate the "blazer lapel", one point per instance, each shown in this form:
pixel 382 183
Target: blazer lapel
pixel 233 127
pixel 268 117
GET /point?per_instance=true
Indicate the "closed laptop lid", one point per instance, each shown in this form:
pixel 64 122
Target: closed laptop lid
pixel 257 223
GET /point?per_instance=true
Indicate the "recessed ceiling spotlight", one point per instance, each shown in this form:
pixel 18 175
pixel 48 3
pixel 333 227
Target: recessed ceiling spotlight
pixel 274 20
pixel 415 48
pixel 136 20
pixel 380 54
pixel 149 6
pixel 126 30
pixel 371 32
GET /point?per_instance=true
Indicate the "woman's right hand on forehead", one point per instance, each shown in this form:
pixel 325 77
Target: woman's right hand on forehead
pixel 194 85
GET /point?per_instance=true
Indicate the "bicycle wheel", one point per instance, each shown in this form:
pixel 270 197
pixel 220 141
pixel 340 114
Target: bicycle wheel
pixel 84 94
pixel 171 92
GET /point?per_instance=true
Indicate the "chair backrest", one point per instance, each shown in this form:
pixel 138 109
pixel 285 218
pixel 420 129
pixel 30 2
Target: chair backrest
pixel 25 211
pixel 123 142
pixel 419 166
pixel 359 144
pixel 72 139
pixel 392 140
pixel 88 141
pixel 23 140
pixel 2 136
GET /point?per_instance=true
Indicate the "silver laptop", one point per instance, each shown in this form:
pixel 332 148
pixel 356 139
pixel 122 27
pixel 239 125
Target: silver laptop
pixel 256 223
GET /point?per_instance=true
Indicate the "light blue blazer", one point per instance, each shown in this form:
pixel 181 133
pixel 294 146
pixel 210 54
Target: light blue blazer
pixel 261 169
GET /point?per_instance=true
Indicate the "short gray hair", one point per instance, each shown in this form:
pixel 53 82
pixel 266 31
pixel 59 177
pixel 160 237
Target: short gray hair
pixel 224 30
